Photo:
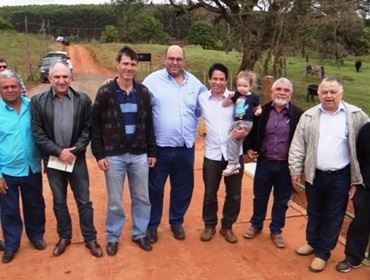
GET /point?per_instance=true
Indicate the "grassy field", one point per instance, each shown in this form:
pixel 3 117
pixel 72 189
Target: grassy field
pixel 22 53
pixel 356 85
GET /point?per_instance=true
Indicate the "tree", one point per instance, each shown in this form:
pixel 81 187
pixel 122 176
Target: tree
pixel 201 33
pixel 267 25
pixel 5 24
pixel 110 34
pixel 147 29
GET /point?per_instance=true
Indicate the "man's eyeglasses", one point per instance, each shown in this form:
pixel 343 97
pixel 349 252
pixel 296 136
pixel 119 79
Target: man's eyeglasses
pixel 3 66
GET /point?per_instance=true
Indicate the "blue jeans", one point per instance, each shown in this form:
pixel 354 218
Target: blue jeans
pixel 178 164
pixel 271 174
pixel 79 181
pixel 327 201
pixel 136 168
pixel 30 188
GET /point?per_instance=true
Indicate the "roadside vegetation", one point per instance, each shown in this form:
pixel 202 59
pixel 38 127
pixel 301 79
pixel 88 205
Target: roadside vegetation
pixel 22 52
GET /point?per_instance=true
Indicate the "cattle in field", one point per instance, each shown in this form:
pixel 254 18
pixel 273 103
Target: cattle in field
pixel 311 91
pixel 358 65
pixel 315 70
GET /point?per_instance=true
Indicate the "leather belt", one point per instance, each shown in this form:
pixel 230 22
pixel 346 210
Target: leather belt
pixel 342 171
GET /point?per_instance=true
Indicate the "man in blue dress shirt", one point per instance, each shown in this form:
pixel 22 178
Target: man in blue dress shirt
pixel 20 170
pixel 174 100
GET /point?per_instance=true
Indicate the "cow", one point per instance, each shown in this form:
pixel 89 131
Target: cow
pixel 358 65
pixel 315 70
pixel 311 90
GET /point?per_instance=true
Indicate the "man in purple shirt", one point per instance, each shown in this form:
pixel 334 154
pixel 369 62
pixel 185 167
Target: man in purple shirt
pixel 269 143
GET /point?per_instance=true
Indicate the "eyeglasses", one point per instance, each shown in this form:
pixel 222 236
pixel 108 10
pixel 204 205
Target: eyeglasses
pixel 3 66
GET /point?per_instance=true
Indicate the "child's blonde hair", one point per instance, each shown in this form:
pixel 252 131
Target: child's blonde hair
pixel 249 76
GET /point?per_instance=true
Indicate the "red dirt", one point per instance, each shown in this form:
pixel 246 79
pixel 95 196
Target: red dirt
pixel 254 259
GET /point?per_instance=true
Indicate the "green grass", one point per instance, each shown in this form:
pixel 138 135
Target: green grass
pixel 22 53
pixel 356 85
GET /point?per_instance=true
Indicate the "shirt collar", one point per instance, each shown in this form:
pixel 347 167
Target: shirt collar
pixel 24 101
pixel 223 96
pixel 185 73
pixel 69 93
pixel 340 108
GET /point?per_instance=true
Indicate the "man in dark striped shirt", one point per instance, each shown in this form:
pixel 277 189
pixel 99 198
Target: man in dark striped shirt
pixel 123 143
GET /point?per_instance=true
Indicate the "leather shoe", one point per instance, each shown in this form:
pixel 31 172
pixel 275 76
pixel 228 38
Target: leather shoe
pixel 39 244
pixel 207 233
pixel 94 248
pixel 278 240
pixel 229 235
pixel 2 245
pixel 152 235
pixel 143 243
pixel 112 248
pixel 8 256
pixel 61 246
pixel 251 232
pixel 178 232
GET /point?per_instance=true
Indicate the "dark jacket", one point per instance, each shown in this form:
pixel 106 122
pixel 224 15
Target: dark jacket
pixel 255 138
pixel 43 123
pixel 108 135
pixel 363 153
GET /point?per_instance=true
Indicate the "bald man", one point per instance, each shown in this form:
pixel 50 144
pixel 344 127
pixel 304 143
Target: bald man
pixel 174 100
pixel 61 120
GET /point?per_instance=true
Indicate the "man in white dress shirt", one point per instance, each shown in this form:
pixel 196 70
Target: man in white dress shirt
pixel 323 148
pixel 218 120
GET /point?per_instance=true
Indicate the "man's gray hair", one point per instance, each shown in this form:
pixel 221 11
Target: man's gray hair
pixel 10 74
pixel 51 68
pixel 282 80
pixel 331 80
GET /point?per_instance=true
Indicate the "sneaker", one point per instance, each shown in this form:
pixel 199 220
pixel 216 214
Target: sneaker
pixel 317 265
pixel 346 266
pixel 229 235
pixel 304 250
pixel 231 170
pixel 278 240
pixel 251 232
pixel 207 233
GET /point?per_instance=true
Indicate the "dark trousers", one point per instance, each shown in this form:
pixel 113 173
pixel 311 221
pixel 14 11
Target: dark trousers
pixel 271 174
pixel 178 164
pixel 212 174
pixel 79 182
pixel 30 188
pixel 359 229
pixel 327 201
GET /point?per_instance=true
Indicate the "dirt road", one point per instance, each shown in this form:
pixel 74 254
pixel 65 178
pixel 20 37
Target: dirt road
pixel 170 259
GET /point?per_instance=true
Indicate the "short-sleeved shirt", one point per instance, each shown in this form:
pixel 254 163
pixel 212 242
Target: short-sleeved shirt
pixel 245 106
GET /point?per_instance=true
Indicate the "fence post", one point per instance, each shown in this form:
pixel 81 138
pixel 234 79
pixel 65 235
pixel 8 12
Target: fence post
pixel 266 88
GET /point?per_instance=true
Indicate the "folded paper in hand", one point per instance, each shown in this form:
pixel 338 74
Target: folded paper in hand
pixel 56 163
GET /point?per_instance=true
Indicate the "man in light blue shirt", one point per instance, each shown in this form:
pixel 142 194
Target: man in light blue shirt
pixel 20 170
pixel 174 100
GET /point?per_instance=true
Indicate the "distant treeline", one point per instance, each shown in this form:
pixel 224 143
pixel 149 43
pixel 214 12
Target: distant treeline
pixel 133 23
pixel 84 21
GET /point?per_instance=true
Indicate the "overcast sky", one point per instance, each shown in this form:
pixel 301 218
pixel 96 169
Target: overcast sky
pixel 45 2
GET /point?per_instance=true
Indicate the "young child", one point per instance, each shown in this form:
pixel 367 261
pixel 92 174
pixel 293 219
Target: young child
pixel 247 106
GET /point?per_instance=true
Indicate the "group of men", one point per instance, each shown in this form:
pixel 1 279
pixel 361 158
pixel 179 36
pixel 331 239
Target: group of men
pixel 148 131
